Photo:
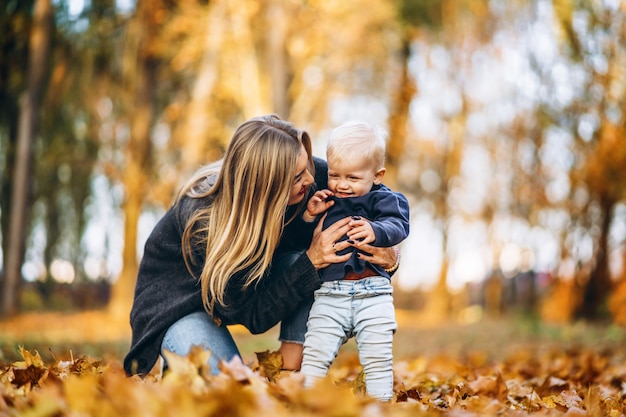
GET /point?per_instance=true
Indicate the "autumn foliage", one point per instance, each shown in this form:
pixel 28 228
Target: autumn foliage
pixel 574 382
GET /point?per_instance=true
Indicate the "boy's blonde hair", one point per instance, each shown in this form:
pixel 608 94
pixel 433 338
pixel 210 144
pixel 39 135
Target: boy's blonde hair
pixel 355 139
pixel 247 195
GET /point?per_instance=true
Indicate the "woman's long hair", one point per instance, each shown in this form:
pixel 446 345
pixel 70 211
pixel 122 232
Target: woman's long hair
pixel 249 191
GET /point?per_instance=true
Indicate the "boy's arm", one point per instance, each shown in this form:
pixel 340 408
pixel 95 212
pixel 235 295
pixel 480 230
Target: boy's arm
pixel 391 219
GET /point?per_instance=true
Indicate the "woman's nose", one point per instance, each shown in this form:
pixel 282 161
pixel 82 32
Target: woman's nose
pixel 308 180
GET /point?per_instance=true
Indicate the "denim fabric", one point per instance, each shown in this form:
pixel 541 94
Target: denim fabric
pixel 199 329
pixel 293 329
pixel 362 309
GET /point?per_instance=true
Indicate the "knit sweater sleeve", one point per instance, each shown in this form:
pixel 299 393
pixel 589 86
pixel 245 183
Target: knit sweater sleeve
pixel 165 291
pixel 261 306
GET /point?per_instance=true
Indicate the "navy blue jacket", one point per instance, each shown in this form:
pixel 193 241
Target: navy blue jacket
pixel 388 213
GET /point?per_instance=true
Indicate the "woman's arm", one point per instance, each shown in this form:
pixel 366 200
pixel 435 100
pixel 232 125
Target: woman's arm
pixel 262 305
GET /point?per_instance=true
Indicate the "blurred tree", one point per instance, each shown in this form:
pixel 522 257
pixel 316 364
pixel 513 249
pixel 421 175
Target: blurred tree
pixel 140 63
pixel 199 135
pixel 66 149
pixel 192 70
pixel 15 22
pixel 68 153
pixel 592 116
pixel 566 165
pixel 239 59
pixel 276 57
pixel 29 110
pixel 453 31
pixel 416 19
pixel 617 300
pixel 338 58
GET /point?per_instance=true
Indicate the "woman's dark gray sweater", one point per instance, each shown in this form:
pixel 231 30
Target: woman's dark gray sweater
pixel 166 291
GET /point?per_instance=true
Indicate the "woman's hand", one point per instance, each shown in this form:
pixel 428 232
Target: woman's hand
pixel 324 245
pixel 384 257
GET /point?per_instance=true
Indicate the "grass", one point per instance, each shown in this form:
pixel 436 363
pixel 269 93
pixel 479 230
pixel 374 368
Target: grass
pixel 60 335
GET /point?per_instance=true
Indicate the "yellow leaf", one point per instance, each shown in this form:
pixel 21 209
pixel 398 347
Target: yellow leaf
pixel 270 364
pixel 30 358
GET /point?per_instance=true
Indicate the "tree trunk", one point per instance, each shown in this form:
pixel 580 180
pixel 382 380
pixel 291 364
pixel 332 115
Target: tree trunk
pixel 438 304
pixel 140 79
pixel 399 116
pixel 30 104
pixel 598 287
pixel 16 57
pixel 198 133
pixel 617 299
pixel 253 101
pixel 276 57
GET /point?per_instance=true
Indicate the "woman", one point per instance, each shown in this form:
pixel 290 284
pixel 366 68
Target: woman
pixel 234 249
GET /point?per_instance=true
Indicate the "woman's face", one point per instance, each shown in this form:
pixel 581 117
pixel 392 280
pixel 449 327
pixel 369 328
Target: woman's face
pixel 302 179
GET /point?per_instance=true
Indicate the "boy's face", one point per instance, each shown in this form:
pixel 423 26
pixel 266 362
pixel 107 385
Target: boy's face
pixel 352 177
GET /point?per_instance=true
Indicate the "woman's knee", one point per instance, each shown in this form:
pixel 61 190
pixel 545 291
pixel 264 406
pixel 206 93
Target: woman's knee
pixel 198 329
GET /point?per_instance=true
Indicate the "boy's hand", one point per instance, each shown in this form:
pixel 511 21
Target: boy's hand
pixel 361 231
pixel 317 205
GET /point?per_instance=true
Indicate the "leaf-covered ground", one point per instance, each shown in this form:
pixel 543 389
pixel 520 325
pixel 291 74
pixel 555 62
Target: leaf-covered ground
pixel 492 369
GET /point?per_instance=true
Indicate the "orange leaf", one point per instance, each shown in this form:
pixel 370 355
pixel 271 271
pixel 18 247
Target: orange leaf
pixel 490 386
pixel 270 364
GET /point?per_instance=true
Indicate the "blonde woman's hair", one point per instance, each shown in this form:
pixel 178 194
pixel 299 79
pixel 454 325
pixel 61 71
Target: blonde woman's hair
pixel 249 192
pixel 355 139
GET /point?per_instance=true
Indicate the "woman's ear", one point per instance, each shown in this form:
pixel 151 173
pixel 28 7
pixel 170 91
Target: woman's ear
pixel 378 177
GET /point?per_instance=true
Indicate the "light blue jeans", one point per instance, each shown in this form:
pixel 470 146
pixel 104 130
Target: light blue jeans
pixel 199 329
pixel 343 309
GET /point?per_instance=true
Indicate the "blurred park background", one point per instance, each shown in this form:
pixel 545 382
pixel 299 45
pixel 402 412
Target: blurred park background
pixel 507 123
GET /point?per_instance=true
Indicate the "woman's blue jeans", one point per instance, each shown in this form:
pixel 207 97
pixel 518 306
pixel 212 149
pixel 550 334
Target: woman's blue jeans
pixel 199 329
